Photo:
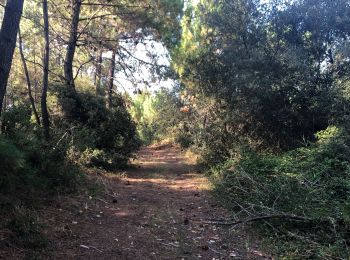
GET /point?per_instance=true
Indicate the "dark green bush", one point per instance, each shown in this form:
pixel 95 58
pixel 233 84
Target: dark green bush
pixel 26 229
pixel 11 158
pixel 99 136
pixel 30 165
pixel 184 139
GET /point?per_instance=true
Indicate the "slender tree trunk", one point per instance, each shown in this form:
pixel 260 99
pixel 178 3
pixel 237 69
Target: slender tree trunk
pixel 95 73
pixel 111 78
pixel 44 111
pixel 71 46
pixel 5 101
pixel 8 37
pixel 26 72
pixel 35 75
pixel 99 73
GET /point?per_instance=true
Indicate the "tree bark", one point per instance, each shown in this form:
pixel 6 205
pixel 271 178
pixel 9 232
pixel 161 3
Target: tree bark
pixel 29 84
pixel 99 72
pixel 111 78
pixel 44 111
pixel 8 37
pixel 72 44
pixel 36 83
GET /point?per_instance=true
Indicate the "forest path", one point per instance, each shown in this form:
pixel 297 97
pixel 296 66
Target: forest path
pixel 157 210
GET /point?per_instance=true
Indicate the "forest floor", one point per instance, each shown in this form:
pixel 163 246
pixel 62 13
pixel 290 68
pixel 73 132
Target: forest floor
pixel 156 210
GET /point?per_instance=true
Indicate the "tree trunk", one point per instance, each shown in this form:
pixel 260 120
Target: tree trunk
pixel 44 111
pixel 26 72
pixel 71 46
pixel 8 37
pixel 111 78
pixel 99 73
pixel 36 83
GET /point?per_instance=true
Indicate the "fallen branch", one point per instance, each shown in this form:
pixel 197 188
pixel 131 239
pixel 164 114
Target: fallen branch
pixel 96 249
pixel 217 252
pixel 88 247
pixel 259 218
pixel 102 201
pixel 169 244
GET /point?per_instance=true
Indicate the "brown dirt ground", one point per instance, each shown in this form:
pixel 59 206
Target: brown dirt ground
pixel 157 210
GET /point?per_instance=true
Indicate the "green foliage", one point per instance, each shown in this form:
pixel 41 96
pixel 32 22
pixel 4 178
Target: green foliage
pixel 26 229
pixel 97 136
pixel 312 182
pixel 142 111
pixel 30 166
pixel 85 132
pixel 11 158
pixel 184 140
pixel 100 158
pixel 169 119
pixel 265 77
pixel 164 19
pixel 159 117
pixel 16 121
pixel 147 133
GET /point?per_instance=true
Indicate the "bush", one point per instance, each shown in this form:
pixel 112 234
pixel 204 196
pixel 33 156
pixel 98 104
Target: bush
pixel 312 182
pixel 98 136
pixel 11 160
pixel 35 168
pixel 26 230
pixel 30 165
pixel 147 133
pixel 99 158
pixel 184 139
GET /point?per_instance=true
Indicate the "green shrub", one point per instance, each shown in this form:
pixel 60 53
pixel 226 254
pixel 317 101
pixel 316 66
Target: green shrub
pixel 147 133
pixel 35 168
pixel 30 165
pixel 184 139
pixel 11 158
pixel 16 121
pixel 98 136
pixel 312 182
pixel 99 158
pixel 26 229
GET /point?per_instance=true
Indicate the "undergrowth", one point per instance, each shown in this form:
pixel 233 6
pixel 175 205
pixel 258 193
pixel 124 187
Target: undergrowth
pixel 311 183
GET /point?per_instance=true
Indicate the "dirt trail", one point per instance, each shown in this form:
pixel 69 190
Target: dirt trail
pixel 155 211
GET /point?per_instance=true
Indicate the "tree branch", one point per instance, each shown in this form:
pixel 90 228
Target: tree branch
pixel 259 218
